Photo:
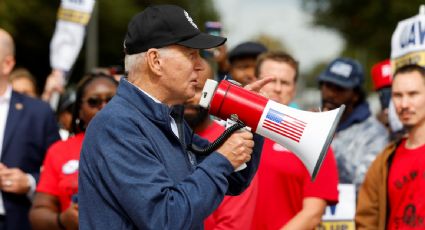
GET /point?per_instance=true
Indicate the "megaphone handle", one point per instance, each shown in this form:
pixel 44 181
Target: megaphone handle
pixel 218 142
pixel 230 123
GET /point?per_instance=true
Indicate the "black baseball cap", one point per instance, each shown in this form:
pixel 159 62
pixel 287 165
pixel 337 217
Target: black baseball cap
pixel 247 49
pixel 162 25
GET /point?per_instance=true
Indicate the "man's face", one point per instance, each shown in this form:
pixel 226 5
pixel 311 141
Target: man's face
pixel 408 95
pixel 7 59
pixel 333 96
pixel 243 70
pixel 193 112
pixel 24 86
pixel 181 70
pixel 283 88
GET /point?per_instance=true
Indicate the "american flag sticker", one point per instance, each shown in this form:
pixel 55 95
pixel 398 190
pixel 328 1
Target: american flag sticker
pixel 284 125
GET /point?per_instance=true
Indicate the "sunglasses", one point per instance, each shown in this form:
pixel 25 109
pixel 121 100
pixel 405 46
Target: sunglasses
pixel 96 102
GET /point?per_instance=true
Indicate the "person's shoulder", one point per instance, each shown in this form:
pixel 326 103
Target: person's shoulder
pixel 383 156
pixel 371 125
pixel 30 102
pixel 375 127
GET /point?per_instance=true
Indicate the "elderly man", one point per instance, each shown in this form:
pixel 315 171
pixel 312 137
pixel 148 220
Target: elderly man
pixel 27 128
pixel 135 169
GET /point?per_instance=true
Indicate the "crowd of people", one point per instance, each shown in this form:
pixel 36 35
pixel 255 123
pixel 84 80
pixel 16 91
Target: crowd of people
pixel 124 161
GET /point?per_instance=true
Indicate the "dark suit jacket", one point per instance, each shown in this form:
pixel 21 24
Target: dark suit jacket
pixel 31 128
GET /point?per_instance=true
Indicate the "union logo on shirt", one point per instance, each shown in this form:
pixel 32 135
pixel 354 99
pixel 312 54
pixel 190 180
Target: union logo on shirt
pixel 70 167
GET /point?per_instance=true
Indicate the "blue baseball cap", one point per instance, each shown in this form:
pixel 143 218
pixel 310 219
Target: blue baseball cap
pixel 345 72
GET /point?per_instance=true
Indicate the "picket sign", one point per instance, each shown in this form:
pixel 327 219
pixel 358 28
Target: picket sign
pixel 408 41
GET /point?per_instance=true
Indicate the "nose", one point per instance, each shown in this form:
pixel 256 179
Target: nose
pixel 327 91
pixel 277 86
pixel 104 102
pixel 199 64
pixel 404 102
pixel 250 75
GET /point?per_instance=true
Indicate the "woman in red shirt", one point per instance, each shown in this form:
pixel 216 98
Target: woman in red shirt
pixel 55 205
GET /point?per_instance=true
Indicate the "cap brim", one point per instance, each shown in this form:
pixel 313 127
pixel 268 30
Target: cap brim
pixel 203 41
pixel 336 81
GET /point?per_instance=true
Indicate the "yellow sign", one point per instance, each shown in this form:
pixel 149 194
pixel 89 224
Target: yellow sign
pixel 74 16
pixel 417 57
pixel 336 225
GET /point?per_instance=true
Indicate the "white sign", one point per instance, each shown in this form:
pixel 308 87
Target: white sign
pixel 73 16
pixel 408 42
pixel 346 207
pixel 341 216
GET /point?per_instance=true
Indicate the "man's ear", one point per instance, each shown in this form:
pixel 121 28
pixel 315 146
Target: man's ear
pixel 7 64
pixel 153 60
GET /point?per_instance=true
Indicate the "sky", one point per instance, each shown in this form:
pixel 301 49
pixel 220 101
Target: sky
pixel 284 20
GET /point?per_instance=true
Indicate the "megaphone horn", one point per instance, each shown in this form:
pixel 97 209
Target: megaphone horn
pixel 307 134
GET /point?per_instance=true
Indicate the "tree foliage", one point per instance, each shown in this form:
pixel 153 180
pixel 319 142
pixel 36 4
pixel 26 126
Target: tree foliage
pixel 367 26
pixel 272 43
pixel 364 24
pixel 32 23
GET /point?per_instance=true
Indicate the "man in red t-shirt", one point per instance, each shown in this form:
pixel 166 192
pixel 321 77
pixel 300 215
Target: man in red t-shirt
pixel 287 198
pixel 234 212
pixel 392 195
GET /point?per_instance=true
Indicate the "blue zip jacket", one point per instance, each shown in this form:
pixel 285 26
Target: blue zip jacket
pixel 136 174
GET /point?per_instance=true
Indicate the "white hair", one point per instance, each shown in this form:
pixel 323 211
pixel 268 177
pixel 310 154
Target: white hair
pixel 132 61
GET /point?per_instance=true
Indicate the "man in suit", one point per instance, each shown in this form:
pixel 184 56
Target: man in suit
pixel 27 128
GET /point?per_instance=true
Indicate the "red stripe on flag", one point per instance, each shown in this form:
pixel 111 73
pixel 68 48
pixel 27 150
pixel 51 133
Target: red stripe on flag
pixel 273 127
pixel 294 122
pixel 286 127
pixel 293 127
pixel 295 119
pixel 280 127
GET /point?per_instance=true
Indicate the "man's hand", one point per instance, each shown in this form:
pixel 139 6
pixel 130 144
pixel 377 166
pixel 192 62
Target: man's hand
pixel 257 85
pixel 238 148
pixel 69 217
pixel 55 83
pixel 13 180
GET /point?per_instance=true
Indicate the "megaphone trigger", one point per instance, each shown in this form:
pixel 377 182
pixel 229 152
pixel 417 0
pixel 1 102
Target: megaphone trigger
pixel 231 122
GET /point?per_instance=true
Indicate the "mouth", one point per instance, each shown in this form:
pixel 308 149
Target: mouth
pixel 329 105
pixel 274 97
pixel 405 115
pixel 194 81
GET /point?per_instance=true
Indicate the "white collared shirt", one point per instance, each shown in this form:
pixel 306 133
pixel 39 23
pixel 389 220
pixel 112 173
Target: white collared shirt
pixel 4 110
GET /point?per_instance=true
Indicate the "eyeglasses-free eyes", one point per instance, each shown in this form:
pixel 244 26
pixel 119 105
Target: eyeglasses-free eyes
pixel 96 102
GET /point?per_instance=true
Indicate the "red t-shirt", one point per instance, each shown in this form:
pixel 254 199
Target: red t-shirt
pixel 406 188
pixel 235 212
pixel 283 183
pixel 59 175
